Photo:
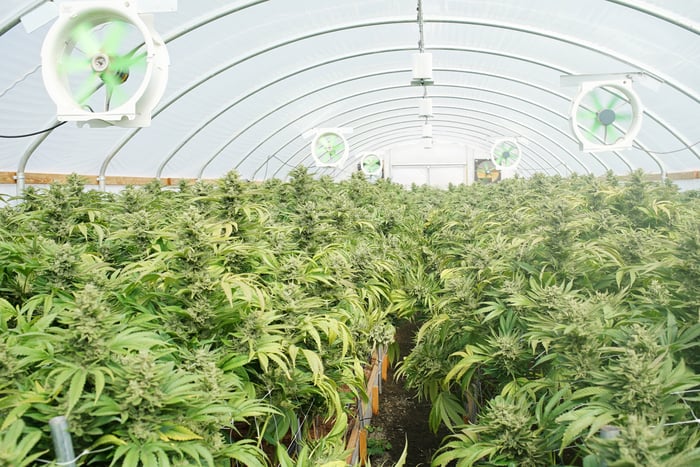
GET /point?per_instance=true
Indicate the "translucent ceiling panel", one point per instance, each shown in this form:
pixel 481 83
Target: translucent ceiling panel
pixel 260 85
pixel 248 77
pixel 309 112
pixel 24 105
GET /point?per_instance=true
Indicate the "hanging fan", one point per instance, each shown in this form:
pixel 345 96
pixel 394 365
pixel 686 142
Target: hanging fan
pixel 329 148
pixel 371 165
pixel 486 171
pixel 606 115
pixel 506 153
pixel 103 63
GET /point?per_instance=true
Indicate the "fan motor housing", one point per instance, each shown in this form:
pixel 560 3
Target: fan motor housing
pixel 136 111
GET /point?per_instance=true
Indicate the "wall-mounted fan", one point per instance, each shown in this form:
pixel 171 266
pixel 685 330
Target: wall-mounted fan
pixel 606 115
pixel 486 171
pixel 329 147
pixel 103 63
pixel 506 153
pixel 371 164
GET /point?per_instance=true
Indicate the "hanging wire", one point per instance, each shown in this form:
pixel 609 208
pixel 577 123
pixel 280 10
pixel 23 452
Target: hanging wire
pixel 21 79
pixel 301 424
pixel 27 135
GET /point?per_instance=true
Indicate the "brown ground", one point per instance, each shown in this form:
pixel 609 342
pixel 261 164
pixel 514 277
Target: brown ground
pixel 401 416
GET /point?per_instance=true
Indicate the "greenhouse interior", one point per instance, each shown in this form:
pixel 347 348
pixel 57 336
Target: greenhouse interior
pixel 355 233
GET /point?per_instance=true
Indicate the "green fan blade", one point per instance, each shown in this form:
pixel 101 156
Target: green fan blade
pixel 87 89
pixel 330 147
pixel 327 141
pixel 84 38
pixel 612 135
pixel 586 117
pixel 337 153
pixel 111 82
pixel 596 99
pixel 114 37
pixel 128 62
pixel 614 99
pixel 623 117
pixel 585 112
pixel 71 63
pixel 372 165
pixel 507 154
pixel 115 95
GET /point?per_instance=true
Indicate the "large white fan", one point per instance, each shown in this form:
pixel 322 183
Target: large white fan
pixel 606 115
pixel 329 147
pixel 506 153
pixel 103 63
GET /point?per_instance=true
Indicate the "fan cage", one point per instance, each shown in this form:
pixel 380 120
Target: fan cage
pixel 371 156
pixel 494 174
pixel 518 153
pixel 57 43
pixel 317 157
pixel 624 88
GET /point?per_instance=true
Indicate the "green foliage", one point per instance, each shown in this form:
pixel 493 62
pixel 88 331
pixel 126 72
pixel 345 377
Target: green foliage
pixel 561 306
pixel 198 326
pixel 222 321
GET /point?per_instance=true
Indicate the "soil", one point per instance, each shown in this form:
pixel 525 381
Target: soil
pixel 402 417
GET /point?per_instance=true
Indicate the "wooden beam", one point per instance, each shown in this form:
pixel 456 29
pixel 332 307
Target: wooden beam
pixel 691 175
pixel 36 178
pixel 655 177
pixel 48 178
pixel 8 178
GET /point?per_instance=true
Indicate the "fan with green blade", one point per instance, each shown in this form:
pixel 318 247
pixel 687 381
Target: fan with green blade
pixel 371 164
pixel 486 171
pixel 329 148
pixel 606 115
pixel 102 64
pixel 506 153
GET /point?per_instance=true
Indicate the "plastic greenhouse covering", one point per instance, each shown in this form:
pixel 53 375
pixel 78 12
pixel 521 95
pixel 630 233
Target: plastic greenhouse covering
pixel 247 79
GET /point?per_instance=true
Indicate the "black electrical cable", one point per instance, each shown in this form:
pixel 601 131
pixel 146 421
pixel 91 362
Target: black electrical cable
pixel 35 133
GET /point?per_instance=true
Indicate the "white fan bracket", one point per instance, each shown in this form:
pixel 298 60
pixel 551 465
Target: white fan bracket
pixel 135 112
pixel 623 84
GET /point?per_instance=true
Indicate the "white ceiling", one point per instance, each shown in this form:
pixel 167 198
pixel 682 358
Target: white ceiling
pixel 248 78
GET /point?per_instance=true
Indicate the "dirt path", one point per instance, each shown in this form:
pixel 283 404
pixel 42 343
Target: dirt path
pixel 401 416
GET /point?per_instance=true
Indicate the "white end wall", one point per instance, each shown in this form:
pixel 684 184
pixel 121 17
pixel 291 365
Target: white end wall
pixel 438 166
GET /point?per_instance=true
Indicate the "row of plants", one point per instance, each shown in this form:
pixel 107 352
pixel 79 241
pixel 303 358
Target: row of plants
pixel 553 308
pixel 221 323
pixel 229 322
